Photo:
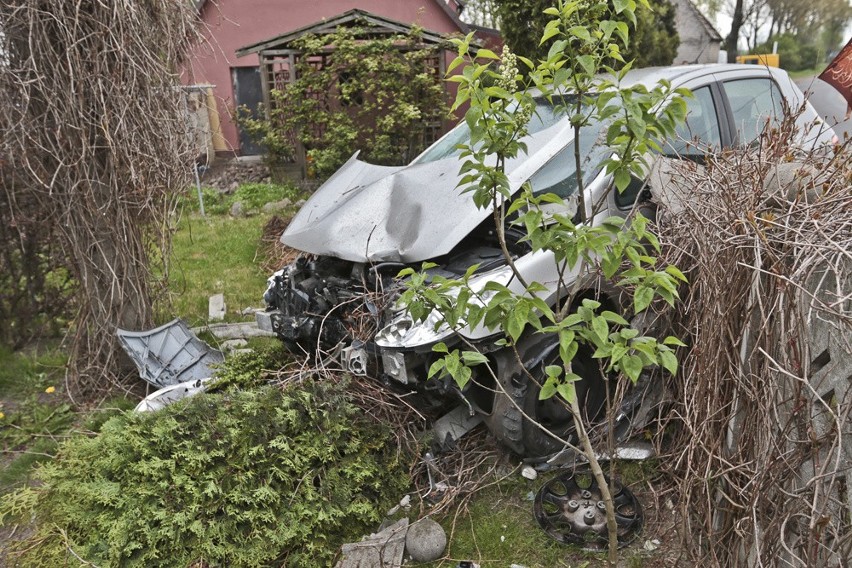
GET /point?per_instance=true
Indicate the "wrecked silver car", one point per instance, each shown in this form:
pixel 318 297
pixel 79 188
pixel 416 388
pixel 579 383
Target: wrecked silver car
pixel 368 222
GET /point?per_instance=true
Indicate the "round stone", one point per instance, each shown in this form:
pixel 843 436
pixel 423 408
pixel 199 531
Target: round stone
pixel 425 541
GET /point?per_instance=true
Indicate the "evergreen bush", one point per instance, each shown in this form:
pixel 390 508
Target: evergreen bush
pixel 253 478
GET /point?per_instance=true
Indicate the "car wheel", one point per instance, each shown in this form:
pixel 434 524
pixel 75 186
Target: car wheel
pixel 521 422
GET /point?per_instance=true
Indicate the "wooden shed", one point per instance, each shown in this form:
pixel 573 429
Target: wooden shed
pixel 279 57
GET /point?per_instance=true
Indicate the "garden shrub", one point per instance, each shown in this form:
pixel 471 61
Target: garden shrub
pixel 796 53
pixel 252 478
pixel 384 97
pixel 251 369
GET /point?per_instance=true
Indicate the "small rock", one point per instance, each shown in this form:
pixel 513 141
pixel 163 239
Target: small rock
pixel 529 472
pixel 250 311
pixel 300 203
pixel 237 209
pixel 425 541
pixel 216 307
pixel 405 502
pixel 651 545
pixel 274 206
pixel 233 344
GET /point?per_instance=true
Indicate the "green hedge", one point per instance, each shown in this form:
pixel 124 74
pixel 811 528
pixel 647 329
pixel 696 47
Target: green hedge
pixel 253 478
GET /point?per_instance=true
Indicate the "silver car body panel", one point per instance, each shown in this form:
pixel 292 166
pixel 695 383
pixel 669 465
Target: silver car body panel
pixel 368 213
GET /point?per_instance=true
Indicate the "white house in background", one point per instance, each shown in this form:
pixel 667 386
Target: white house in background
pixel 699 40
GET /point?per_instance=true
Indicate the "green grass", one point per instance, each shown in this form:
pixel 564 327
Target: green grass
pixel 253 196
pixel 215 255
pixel 218 254
pixel 30 418
pixel 499 529
pixel 27 372
pixel 35 415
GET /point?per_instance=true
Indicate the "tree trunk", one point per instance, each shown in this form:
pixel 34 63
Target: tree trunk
pixel 731 41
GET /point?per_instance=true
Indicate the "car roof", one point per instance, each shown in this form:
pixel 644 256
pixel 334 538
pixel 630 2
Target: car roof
pixel 681 74
pixel 650 76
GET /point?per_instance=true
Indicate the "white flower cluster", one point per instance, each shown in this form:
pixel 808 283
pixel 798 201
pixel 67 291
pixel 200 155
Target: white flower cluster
pixel 508 70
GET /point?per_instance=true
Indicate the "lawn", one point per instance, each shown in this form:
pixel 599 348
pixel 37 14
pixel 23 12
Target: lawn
pixel 215 255
pixel 220 254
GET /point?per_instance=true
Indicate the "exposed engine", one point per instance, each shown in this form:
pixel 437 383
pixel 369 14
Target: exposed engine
pixel 318 303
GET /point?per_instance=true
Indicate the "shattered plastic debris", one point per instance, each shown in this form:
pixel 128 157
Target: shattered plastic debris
pixel 165 396
pixel 380 550
pixel 529 472
pixel 170 354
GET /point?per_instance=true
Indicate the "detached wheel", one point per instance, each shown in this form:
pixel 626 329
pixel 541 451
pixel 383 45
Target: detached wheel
pixel 521 434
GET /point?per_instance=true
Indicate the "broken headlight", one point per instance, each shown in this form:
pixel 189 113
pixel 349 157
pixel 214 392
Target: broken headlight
pixel 403 332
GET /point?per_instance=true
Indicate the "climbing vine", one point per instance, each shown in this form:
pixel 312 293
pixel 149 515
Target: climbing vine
pixel 382 97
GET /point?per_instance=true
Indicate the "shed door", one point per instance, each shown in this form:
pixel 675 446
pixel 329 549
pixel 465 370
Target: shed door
pixel 248 93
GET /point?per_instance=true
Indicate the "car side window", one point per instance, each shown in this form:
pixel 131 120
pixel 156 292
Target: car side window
pixel 754 103
pixel 700 132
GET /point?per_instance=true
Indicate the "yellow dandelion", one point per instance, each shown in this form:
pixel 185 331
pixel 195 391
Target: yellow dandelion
pixel 2 416
pixel 50 390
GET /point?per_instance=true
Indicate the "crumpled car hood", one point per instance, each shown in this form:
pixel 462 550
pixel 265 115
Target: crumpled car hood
pixel 379 213
pixel 367 213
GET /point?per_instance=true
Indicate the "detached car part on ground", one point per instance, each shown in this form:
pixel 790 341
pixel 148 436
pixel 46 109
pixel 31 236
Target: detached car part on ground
pixel 368 222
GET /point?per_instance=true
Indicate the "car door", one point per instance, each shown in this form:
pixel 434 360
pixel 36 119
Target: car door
pixel 753 104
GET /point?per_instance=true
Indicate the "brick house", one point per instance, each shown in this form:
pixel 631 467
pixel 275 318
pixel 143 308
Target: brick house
pixel 236 24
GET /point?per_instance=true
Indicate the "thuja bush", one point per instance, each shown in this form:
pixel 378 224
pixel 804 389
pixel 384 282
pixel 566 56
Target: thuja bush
pixel 253 478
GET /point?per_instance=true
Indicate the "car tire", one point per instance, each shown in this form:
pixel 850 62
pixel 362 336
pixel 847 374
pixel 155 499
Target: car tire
pixel 518 413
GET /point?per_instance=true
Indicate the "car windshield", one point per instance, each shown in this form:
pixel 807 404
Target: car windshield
pixel 546 115
pixel 559 174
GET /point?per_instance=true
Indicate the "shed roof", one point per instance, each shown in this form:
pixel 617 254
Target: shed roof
pixel 380 25
pixel 705 23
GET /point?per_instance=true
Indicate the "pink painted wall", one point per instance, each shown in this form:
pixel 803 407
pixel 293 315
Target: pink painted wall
pixel 238 23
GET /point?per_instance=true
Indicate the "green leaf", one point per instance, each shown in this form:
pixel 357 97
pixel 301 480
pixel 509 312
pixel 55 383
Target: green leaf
pixel 487 54
pixel 600 327
pixel 613 317
pixel 515 324
pixel 568 391
pixel 671 340
pixel 620 5
pixel 435 368
pixel 632 367
pixel 628 333
pixel 669 361
pixel 549 32
pixel 553 371
pixel 642 299
pixel 454 63
pixel 618 351
pixel 474 358
pixel 622 179
pixel 548 389
pixel 675 271
pixel 581 33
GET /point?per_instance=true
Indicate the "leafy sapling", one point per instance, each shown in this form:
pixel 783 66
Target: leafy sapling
pixel 582 78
